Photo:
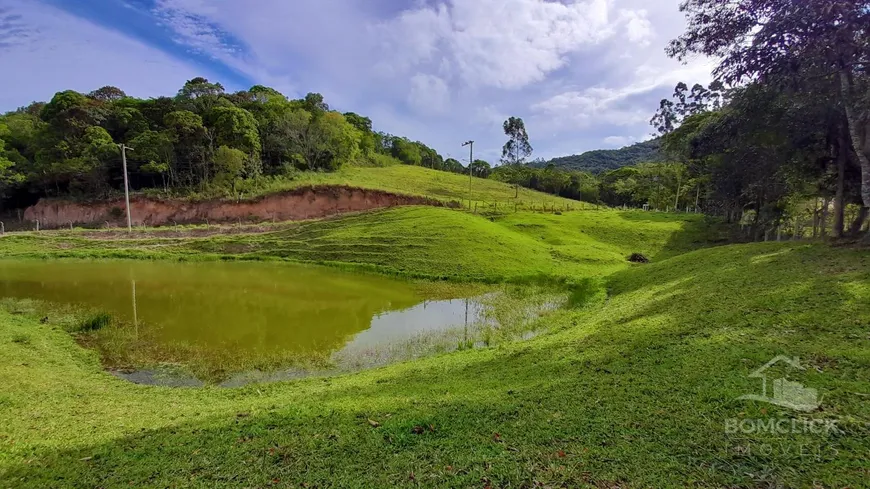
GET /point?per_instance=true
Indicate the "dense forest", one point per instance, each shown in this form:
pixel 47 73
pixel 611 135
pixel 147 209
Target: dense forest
pixel 602 160
pixel 203 139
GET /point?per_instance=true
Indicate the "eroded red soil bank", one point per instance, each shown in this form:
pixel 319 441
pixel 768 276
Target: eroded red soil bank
pixel 294 205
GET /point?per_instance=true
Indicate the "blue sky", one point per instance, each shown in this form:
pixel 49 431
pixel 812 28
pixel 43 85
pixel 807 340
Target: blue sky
pixel 583 74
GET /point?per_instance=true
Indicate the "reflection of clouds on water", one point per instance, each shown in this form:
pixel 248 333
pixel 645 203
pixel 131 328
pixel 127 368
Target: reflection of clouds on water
pixel 230 319
pixel 425 317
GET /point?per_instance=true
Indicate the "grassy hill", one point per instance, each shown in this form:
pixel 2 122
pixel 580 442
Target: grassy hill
pixel 633 392
pixel 416 241
pixel 416 180
pixel 602 160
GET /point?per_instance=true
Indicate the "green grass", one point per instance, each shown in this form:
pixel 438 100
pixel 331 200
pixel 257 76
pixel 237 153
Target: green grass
pixel 424 242
pixel 631 392
pixel 416 180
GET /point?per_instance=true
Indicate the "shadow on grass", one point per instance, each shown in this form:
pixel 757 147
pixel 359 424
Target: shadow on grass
pixel 697 231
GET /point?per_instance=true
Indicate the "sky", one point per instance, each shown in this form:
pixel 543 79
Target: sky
pixel 583 74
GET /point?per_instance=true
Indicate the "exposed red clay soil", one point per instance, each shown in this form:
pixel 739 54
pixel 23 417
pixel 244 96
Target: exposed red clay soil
pixel 294 205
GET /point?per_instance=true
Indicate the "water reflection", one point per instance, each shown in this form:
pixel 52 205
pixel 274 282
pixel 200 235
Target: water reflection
pixel 234 316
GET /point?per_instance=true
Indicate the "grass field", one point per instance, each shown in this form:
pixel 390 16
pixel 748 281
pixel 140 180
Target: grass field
pixel 424 242
pixel 416 180
pixel 633 392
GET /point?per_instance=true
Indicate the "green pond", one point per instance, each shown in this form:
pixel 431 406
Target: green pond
pixel 235 322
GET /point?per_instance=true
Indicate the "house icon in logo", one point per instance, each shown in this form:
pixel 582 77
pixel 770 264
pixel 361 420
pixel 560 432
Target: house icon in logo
pixel 786 393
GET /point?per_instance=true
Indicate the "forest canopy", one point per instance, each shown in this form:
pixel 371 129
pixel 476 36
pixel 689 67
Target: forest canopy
pixel 201 139
pixel 602 160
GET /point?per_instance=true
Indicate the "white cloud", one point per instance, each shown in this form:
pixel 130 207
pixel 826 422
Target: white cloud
pixel 593 105
pixel 54 51
pixel 441 71
pixel 616 105
pixel 618 141
pixel 192 29
pixel 429 94
pixel 498 43
pixel 638 26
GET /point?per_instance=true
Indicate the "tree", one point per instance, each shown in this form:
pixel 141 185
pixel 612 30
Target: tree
pixel 153 152
pixel 453 166
pixel 9 176
pixel 517 149
pixel 406 151
pixel 323 143
pixel 429 158
pixel 229 166
pixel 672 113
pixel 237 128
pixel 314 104
pixel 481 169
pixel 199 95
pixel 69 113
pixel 188 138
pixel 107 94
pixel 793 44
pixel 363 124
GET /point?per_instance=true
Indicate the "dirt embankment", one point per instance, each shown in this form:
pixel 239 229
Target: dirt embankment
pixel 299 204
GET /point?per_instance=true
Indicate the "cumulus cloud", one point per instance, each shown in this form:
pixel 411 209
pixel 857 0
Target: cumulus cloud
pixel 442 71
pixel 637 26
pixel 626 105
pixel 500 43
pixel 593 105
pixel 429 94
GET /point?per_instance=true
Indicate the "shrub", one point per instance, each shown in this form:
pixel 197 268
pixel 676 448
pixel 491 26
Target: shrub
pixel 638 258
pixel 95 322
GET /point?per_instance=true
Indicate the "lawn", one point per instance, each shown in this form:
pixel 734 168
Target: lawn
pixel 635 391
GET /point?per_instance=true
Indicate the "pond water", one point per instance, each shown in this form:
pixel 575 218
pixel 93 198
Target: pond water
pixel 227 322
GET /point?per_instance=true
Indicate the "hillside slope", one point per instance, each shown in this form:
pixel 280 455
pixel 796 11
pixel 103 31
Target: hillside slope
pixel 602 160
pixel 416 180
pixel 635 392
pixel 416 241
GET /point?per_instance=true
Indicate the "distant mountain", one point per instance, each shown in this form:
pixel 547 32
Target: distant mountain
pixel 602 160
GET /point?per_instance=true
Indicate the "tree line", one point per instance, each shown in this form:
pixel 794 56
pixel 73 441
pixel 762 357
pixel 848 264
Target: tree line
pixel 201 139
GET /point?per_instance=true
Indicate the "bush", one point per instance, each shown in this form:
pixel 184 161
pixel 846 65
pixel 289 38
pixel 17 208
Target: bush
pixel 638 258
pixel 95 322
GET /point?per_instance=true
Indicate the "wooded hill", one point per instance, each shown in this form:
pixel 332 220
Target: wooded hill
pixel 602 160
pixel 203 139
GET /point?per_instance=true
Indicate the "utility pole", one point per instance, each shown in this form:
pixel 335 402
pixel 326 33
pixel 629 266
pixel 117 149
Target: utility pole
pixel 124 149
pixel 470 144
